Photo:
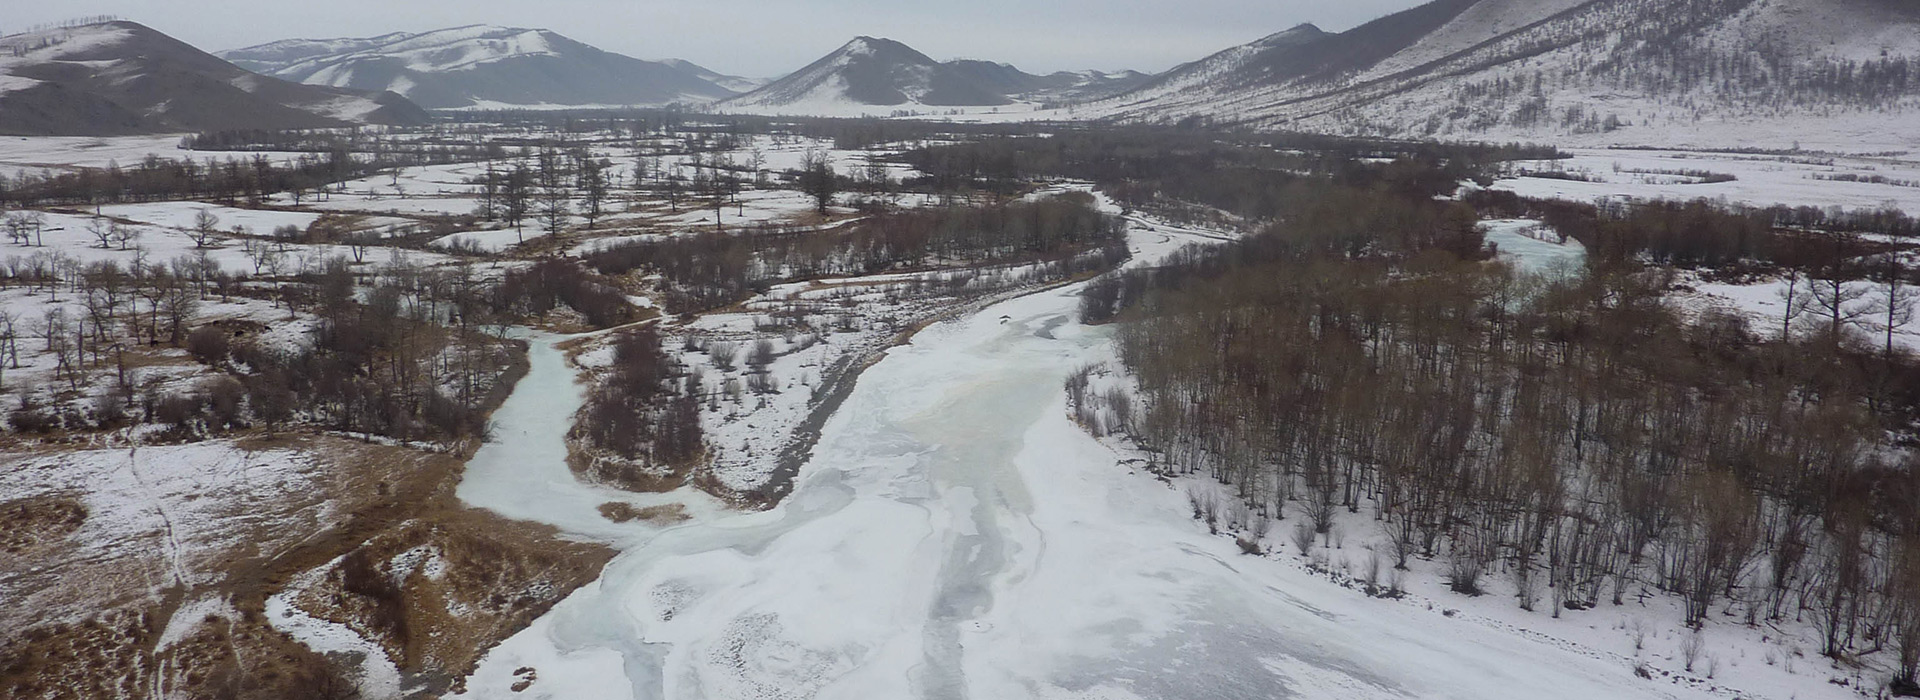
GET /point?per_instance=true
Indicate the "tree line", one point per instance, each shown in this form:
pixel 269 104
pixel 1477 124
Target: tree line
pixel 712 269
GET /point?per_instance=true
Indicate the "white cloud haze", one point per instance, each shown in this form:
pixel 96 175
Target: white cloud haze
pixel 766 37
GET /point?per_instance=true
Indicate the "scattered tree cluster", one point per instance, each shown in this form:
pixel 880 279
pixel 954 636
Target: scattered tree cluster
pixel 641 425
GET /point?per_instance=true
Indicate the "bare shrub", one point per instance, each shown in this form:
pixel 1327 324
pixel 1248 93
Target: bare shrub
pixel 762 353
pixel 1304 536
pixel 1464 570
pixel 361 576
pixel 31 417
pixel 1526 588
pixel 722 353
pixel 1690 649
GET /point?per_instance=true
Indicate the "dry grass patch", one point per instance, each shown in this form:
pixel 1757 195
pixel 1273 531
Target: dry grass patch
pixel 28 523
pixel 437 592
pixel 667 514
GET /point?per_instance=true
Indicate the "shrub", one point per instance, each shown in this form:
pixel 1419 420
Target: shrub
pixel 1463 573
pixel 209 345
pixel 31 417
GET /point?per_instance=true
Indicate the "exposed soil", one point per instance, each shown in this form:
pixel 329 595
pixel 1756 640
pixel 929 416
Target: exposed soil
pixel 118 636
pixel 438 591
pixel 30 523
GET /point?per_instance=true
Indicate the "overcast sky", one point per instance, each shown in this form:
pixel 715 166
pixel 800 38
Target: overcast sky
pixel 766 37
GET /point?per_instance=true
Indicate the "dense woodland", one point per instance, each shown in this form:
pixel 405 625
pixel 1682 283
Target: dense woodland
pixel 1582 433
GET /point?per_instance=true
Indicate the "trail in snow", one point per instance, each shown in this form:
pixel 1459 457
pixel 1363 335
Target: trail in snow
pixel 956 536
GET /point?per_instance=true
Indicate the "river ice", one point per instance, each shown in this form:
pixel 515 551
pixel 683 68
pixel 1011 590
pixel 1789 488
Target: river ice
pixel 956 536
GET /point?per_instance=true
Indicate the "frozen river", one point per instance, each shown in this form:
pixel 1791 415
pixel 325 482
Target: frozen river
pixel 956 536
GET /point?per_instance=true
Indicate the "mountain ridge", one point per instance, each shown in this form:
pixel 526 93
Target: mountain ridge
pixel 480 66
pixel 120 77
pixel 1699 71
pixel 870 74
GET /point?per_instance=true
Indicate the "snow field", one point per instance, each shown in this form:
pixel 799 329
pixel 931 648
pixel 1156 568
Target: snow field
pixel 1763 181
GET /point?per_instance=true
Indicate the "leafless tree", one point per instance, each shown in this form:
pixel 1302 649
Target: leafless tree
pixel 206 227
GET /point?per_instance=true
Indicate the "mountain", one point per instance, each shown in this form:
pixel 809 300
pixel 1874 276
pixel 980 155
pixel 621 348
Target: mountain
pixel 484 66
pixel 1687 72
pixel 871 75
pixel 730 82
pixel 1064 86
pixel 118 77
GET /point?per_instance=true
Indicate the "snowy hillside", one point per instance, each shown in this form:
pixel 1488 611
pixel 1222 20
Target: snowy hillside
pixel 1744 73
pixel 878 76
pixel 485 66
pixel 124 78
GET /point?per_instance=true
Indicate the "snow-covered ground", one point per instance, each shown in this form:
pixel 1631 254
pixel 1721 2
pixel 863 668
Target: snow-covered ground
pixel 955 535
pixel 377 676
pixel 1762 180
pixel 85 151
pixel 157 517
pixel 490 241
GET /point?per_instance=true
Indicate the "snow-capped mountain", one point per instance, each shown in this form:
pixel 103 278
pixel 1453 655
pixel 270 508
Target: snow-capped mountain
pixel 1683 72
pixel 124 78
pixel 485 66
pixel 877 75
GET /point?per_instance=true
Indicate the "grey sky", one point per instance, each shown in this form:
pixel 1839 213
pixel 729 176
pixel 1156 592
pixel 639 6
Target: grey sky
pixel 767 37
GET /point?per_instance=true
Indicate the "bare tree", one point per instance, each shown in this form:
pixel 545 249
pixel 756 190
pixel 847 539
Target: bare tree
pixel 593 186
pixel 19 227
pixel 38 223
pixel 259 252
pixel 817 179
pixel 555 198
pixel 757 161
pixel 124 236
pixel 1893 308
pixel 102 231
pixel 206 225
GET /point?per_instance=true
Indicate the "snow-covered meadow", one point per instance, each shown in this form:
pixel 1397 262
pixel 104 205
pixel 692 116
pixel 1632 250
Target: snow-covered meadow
pixel 1761 180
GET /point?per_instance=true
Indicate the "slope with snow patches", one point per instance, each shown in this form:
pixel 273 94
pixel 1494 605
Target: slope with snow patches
pixel 1838 74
